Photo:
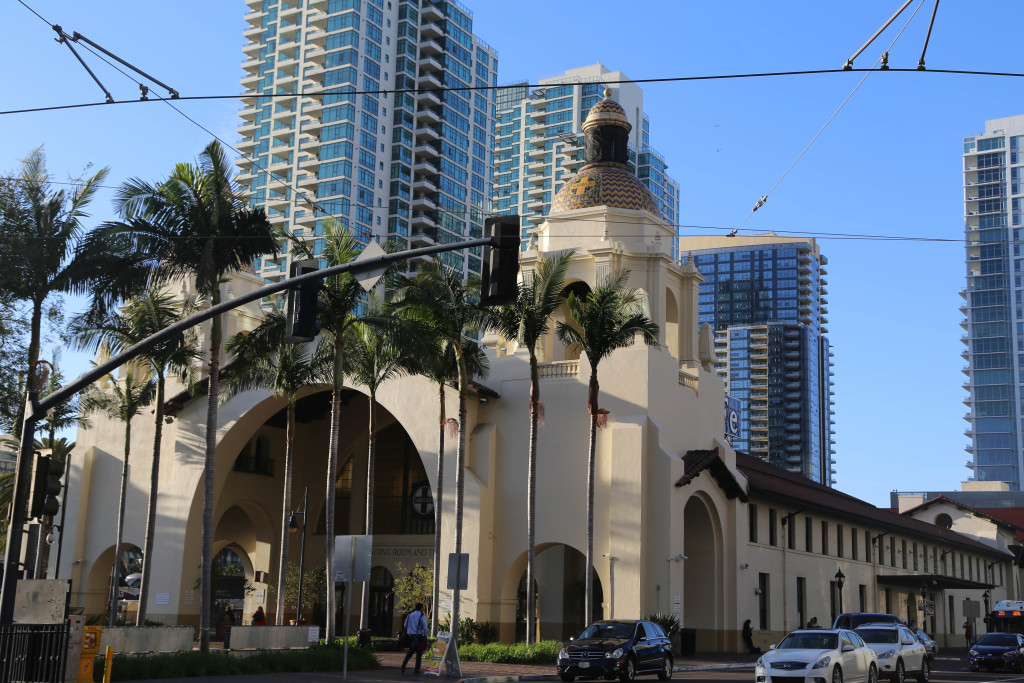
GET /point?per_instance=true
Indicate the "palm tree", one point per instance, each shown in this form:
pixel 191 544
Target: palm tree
pixel 123 402
pixel 339 297
pixel 114 332
pixel 438 298
pixel 263 360
pixel 42 230
pixel 377 349
pixel 527 320
pixel 608 318
pixel 440 366
pixel 194 224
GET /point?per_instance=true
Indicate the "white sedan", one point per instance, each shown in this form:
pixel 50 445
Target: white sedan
pixel 818 656
pixel 899 652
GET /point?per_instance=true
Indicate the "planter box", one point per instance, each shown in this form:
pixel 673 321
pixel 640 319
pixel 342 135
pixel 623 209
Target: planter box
pixel 269 637
pixel 147 638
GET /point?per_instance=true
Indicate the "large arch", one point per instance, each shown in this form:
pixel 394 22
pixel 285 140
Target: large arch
pixel 702 578
pixel 249 487
pixel 96 596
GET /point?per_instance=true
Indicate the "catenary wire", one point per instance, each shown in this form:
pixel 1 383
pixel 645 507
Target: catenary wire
pixel 800 156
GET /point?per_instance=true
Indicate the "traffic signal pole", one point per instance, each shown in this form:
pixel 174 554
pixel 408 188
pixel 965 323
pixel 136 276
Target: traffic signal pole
pixel 35 409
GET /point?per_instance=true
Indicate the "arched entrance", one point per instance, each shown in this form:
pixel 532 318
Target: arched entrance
pixel 701 571
pixel 98 589
pixel 560 589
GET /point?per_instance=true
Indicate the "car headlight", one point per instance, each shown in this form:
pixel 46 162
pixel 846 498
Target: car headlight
pixel 614 654
pixel 1009 655
pixel 759 664
pixel 822 663
pixel 563 654
pixel 888 654
pixel 974 653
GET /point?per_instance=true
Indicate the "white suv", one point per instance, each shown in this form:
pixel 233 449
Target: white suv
pixel 898 651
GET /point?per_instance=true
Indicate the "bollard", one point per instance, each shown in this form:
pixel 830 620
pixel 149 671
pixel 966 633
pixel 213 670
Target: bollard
pixel 108 663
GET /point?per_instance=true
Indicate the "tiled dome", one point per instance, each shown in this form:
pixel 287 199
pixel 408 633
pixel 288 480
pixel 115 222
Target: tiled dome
pixel 604 185
pixel 607 112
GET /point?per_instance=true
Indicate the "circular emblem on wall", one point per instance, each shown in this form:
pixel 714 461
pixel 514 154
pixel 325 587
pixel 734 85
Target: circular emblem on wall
pixel 422 500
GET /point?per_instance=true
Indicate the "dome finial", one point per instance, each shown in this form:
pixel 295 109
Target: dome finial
pixel 607 92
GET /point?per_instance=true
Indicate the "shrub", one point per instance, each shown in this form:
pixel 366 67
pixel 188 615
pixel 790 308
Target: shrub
pixel 544 652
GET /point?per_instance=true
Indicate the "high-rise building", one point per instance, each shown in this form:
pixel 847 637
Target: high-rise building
pixel 539 142
pixel 404 166
pixel 994 299
pixel 765 298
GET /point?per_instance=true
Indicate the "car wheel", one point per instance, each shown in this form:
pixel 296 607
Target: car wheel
pixel 900 673
pixel 629 671
pixel 568 678
pixel 872 674
pixel 926 670
pixel 666 669
pixel 973 668
pixel 837 675
pixel 1020 665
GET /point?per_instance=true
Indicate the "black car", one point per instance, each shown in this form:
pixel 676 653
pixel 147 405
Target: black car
pixel 998 651
pixel 617 649
pixel 852 620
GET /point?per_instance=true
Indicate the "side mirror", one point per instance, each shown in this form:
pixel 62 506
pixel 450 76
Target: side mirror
pixel 771 647
pixel 849 648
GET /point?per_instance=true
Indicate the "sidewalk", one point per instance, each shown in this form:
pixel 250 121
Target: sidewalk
pixel 472 672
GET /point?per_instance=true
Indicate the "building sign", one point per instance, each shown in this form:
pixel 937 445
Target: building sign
pixel 733 416
pixel 422 501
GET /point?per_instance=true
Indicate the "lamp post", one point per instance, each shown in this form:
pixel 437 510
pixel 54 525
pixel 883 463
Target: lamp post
pixel 924 603
pixel 294 526
pixel 985 596
pixel 840 580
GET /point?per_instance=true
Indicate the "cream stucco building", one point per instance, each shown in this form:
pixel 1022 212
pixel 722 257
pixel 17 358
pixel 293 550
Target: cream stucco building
pixel 682 523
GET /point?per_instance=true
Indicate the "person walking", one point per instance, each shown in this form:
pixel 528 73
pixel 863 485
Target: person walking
pixel 416 627
pixel 258 617
pixel 813 623
pixel 968 634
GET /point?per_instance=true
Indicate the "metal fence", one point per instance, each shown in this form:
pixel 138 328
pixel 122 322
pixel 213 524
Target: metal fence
pixel 33 653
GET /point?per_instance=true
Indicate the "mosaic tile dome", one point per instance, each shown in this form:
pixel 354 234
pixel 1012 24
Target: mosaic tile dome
pixel 604 185
pixel 607 112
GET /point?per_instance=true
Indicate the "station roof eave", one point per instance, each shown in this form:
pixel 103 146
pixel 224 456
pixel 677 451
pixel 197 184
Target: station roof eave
pixel 934 581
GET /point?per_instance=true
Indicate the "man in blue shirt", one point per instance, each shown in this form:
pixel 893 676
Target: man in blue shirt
pixel 416 627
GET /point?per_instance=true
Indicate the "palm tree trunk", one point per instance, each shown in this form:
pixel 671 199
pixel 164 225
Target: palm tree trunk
pixel 206 573
pixel 332 476
pixel 115 575
pixel 531 504
pixel 460 484
pixel 588 598
pixel 286 507
pixel 34 344
pixel 154 488
pixel 437 509
pixel 364 611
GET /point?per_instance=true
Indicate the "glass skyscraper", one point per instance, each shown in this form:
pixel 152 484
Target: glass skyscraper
pixel 539 142
pixel 765 298
pixel 994 299
pixel 410 167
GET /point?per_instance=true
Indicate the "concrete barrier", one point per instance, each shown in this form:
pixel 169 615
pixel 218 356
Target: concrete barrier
pixel 269 637
pixel 147 638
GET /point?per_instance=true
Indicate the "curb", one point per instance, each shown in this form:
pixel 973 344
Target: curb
pixel 554 677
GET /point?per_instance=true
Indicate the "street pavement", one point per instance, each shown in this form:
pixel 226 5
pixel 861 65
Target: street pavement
pixel 472 672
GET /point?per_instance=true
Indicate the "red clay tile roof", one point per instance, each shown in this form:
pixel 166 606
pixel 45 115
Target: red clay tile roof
pixel 774 482
pixel 697 461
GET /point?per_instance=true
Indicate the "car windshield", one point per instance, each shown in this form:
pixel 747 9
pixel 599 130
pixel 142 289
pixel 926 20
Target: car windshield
pixel 878 635
pixel 809 641
pixel 1000 639
pixel 607 631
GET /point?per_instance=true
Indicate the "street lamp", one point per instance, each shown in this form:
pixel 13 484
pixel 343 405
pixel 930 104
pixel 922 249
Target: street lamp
pixel 294 526
pixel 840 580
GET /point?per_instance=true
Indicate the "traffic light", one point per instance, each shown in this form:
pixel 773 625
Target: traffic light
pixel 302 324
pixel 45 487
pixel 501 263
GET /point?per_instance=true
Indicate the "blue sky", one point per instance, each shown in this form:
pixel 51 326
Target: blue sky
pixel 888 164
